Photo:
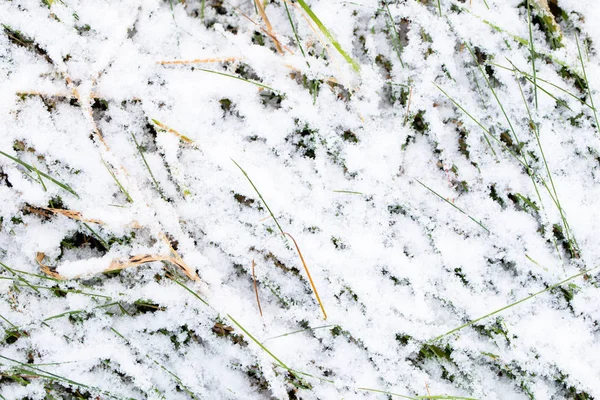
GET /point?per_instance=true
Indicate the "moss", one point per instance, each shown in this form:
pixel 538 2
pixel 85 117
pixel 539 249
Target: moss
pixel 432 351
pixel 338 244
pixel 258 38
pixel 304 140
pixel 490 330
pixel 460 274
pixel 349 136
pixel 243 200
pixel 494 196
pixel 403 339
pixel 257 378
pixel 418 123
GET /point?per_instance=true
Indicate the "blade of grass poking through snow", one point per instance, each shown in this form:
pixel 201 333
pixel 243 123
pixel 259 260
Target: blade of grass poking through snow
pixel 40 173
pixel 486 133
pixel 532 52
pixel 452 204
pixel 19 277
pixel 7 321
pixel 439 7
pixel 534 127
pixel 102 241
pixel 346 191
pixel 511 305
pixel 118 183
pixel 308 274
pixel 434 396
pixel 328 35
pixel 261 198
pixel 395 37
pixel 139 149
pixel 172 277
pixel 262 346
pixel 287 10
pixel 587 83
pixel 238 78
pixel 299 331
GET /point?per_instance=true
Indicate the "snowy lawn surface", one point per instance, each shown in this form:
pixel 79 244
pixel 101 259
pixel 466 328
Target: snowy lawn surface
pixel 310 199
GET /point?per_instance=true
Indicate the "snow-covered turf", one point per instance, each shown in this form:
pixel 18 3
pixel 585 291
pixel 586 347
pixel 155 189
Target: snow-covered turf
pixel 432 172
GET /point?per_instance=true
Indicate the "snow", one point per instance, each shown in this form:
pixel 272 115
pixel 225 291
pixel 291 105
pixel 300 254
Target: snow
pixel 410 222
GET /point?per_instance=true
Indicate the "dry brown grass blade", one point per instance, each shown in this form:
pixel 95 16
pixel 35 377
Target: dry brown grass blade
pixel 314 288
pixel 200 61
pixel 256 288
pixel 177 260
pixel 266 32
pixel 39 257
pixel 263 15
pixel 116 265
pixel 70 214
pixel 173 131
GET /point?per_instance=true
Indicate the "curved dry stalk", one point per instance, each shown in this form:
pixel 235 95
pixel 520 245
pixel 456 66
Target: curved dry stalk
pixel 117 265
pixel 314 288
pixel 256 288
pixel 39 257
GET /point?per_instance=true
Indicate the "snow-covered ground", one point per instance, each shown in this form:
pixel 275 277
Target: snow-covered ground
pixel 423 165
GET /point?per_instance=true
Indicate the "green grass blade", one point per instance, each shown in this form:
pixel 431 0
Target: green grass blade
pixel 118 183
pixel 260 195
pixel 512 305
pixel 396 38
pixel 532 51
pixel 262 346
pixel 587 84
pixel 102 241
pixel 328 35
pixel 453 205
pixel 40 173
pixel 299 331
pixel 238 78
pixel 139 149
pixel 287 10
pixel 189 290
pixel 346 191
